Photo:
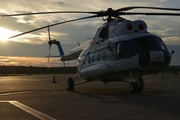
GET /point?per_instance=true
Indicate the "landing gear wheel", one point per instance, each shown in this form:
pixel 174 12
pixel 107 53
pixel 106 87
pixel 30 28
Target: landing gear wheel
pixel 70 84
pixel 133 87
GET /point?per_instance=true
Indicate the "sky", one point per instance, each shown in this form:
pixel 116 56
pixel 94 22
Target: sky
pixel 31 49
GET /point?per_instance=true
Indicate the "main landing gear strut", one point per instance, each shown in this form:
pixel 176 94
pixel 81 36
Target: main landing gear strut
pixel 136 87
pixel 70 81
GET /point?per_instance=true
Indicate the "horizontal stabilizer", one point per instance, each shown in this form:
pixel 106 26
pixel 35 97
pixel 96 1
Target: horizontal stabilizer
pixel 54 56
pixel 74 53
pixel 71 56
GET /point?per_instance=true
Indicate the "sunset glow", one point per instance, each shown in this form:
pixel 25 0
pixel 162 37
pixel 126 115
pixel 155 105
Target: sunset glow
pixel 6 33
pixel 28 61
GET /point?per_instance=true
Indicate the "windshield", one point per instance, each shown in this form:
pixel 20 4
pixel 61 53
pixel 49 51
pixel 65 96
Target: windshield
pixel 139 45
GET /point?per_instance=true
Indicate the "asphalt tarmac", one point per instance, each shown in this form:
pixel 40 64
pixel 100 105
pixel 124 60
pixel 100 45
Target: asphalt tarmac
pixel 35 97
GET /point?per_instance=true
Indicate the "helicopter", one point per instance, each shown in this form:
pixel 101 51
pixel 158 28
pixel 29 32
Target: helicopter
pixel 120 49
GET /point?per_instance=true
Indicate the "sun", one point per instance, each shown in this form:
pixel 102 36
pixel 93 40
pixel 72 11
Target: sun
pixel 5 34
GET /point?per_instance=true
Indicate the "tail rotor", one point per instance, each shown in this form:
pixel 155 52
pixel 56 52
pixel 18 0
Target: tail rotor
pixel 49 42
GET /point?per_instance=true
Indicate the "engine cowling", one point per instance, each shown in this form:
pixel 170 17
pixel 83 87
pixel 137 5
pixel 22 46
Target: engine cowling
pixel 125 26
pixel 140 26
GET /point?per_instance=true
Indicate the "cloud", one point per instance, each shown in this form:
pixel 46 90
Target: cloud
pixel 26 23
pixel 172 40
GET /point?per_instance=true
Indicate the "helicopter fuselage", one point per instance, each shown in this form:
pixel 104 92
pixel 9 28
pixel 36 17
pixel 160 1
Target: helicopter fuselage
pixel 127 53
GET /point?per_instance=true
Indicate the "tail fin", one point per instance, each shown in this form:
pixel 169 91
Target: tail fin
pixel 61 52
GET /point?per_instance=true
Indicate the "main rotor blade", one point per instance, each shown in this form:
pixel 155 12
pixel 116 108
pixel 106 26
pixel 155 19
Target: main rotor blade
pixel 155 8
pixel 21 14
pixel 141 13
pixel 52 25
pixel 49 33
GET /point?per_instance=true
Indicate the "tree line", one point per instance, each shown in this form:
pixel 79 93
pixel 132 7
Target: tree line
pixel 36 70
pixel 5 70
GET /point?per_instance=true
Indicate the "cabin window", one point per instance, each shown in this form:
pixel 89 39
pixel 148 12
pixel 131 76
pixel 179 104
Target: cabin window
pixel 92 58
pixel 104 55
pixel 98 57
pixel 104 33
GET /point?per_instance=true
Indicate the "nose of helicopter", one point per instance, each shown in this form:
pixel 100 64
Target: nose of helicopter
pixel 154 60
pixel 157 56
pixel 157 60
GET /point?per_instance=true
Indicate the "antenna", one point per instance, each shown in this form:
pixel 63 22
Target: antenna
pixel 78 43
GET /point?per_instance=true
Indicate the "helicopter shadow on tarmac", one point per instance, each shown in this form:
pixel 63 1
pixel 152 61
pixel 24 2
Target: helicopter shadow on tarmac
pixel 159 100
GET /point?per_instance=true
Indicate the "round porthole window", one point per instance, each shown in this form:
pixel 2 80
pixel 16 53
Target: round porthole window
pixel 98 57
pixel 104 55
pixel 92 58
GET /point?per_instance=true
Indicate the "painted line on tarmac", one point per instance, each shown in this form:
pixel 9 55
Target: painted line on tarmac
pixel 32 111
pixel 13 93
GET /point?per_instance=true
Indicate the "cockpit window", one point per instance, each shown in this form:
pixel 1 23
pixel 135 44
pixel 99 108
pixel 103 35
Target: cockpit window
pixel 144 44
pixel 163 46
pixel 153 43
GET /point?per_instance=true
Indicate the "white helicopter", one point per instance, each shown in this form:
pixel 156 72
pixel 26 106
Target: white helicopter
pixel 121 48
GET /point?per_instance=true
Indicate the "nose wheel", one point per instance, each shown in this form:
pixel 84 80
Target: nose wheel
pixel 136 87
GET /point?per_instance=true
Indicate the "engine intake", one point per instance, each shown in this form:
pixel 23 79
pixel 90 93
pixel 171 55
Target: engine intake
pixel 140 26
pixel 125 26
